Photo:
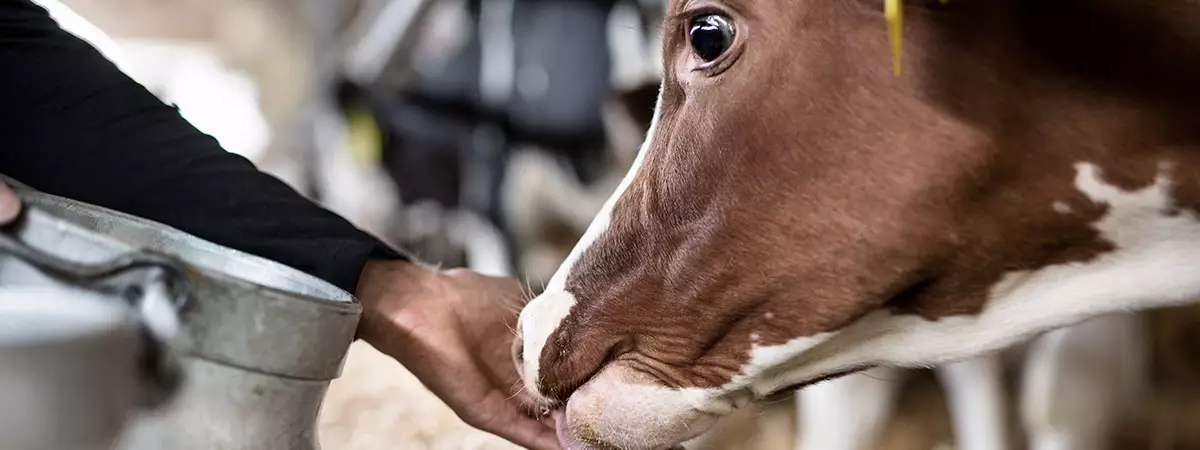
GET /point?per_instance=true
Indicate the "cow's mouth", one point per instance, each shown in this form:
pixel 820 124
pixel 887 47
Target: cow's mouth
pixel 570 442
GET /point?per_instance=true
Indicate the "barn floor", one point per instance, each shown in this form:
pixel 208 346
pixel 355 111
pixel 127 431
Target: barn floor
pixel 377 405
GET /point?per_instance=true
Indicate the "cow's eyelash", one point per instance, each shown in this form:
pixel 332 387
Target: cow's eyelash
pixel 683 17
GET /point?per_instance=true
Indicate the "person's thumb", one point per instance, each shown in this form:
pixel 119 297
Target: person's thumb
pixel 10 205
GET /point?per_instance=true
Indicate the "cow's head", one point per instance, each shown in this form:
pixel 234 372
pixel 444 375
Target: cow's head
pixel 798 212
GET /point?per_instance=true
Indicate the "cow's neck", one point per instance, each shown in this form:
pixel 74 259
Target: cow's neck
pixel 1150 226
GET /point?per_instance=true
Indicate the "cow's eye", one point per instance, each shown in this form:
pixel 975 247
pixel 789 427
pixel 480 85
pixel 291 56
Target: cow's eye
pixel 711 35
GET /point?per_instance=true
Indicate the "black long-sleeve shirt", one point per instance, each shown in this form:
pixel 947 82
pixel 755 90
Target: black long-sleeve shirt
pixel 72 124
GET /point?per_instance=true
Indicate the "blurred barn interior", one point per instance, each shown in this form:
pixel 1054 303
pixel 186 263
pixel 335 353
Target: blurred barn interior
pixel 354 103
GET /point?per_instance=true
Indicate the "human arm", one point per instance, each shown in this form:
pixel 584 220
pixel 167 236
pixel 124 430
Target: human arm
pixel 10 207
pixel 72 124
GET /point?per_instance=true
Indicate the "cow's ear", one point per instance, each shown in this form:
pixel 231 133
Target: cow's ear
pixel 572 356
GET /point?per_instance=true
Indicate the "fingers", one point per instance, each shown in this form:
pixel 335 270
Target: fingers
pixel 10 205
pixel 505 419
pixel 475 398
pixel 533 434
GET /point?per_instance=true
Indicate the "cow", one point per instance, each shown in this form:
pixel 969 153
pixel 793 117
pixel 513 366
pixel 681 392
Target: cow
pixel 800 211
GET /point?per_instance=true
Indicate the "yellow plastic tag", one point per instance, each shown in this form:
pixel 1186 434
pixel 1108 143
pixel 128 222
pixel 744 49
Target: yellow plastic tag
pixel 893 11
pixel 365 138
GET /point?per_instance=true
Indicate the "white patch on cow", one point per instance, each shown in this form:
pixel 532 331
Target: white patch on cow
pixel 714 401
pixel 700 399
pixel 1153 265
pixel 763 359
pixel 1061 207
pixel 537 322
pixel 541 317
pixel 769 315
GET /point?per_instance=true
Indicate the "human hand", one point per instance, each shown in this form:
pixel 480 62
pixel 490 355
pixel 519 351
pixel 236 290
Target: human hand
pixel 454 331
pixel 10 205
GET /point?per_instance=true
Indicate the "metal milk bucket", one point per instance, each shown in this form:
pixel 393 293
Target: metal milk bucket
pixel 261 341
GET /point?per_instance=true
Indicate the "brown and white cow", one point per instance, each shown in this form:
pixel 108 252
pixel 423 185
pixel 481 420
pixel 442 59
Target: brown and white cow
pixel 797 212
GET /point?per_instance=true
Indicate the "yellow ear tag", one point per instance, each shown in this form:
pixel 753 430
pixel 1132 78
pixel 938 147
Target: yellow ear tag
pixel 365 139
pixel 894 13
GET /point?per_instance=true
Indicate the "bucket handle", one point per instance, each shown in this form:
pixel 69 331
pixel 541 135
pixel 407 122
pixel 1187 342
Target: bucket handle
pixel 133 277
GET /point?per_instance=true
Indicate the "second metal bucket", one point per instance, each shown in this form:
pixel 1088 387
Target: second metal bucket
pixel 262 340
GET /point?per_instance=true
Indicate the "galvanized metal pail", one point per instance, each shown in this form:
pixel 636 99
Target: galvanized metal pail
pixel 261 341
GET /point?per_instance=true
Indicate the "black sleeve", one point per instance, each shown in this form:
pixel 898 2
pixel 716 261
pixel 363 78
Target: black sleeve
pixel 72 124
